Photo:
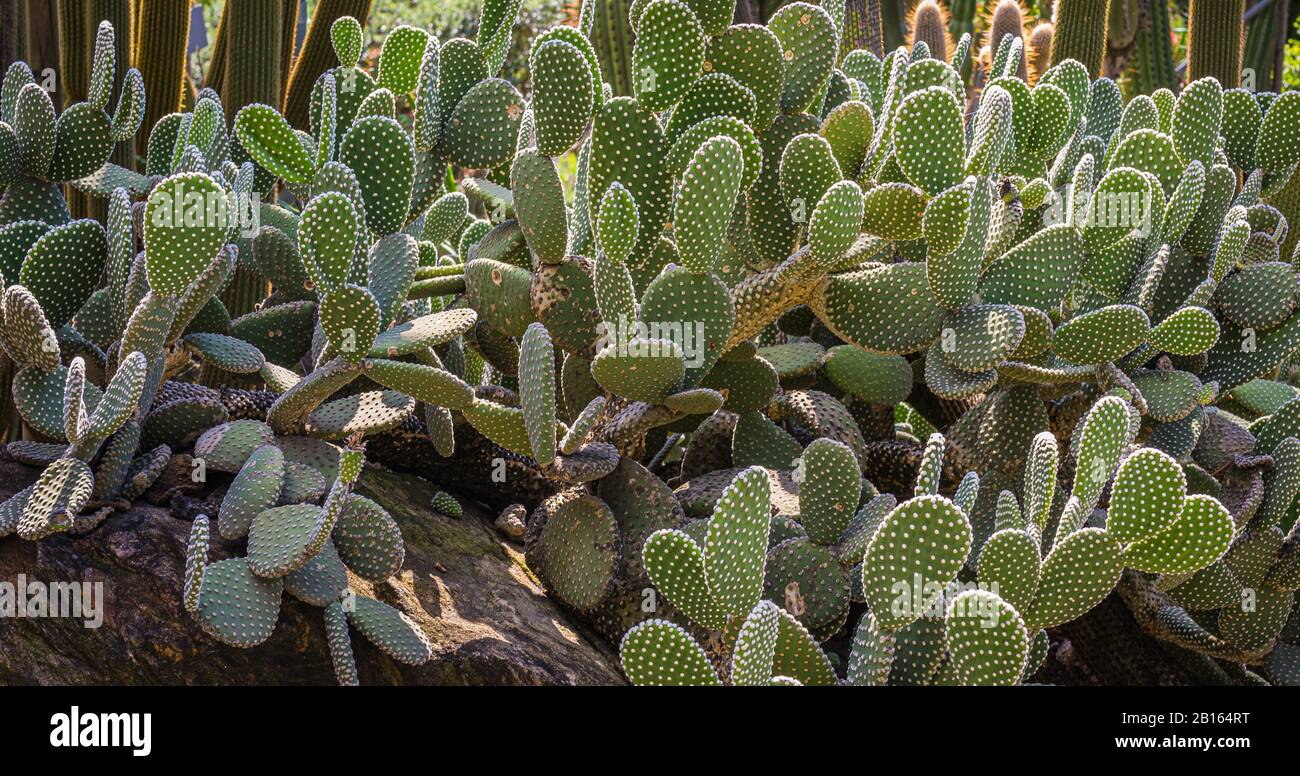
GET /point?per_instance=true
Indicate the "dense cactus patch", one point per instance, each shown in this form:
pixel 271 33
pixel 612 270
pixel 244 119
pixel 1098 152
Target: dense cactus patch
pixel 812 366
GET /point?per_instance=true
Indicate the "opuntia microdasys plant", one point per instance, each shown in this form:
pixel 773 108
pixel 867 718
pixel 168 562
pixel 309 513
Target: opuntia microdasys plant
pixel 812 366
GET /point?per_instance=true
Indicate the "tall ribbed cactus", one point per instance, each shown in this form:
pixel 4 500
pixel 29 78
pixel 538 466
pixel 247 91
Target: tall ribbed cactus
pixel 610 32
pixel 1154 53
pixel 1080 32
pixel 929 24
pixel 1216 36
pixel 162 34
pixel 1007 18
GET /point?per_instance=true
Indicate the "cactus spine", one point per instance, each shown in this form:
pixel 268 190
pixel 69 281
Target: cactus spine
pixel 1215 39
pixel 1080 32
pixel 317 55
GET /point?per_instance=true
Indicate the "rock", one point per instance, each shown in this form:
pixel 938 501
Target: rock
pixel 511 522
pixel 469 591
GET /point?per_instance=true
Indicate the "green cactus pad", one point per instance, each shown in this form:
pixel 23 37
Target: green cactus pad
pixel 392 631
pixel 678 295
pixel 1149 151
pixel 1260 296
pixel 327 239
pixel 63 267
pixel 1187 332
pixel 807 170
pixel 1010 566
pixel 660 653
pixel 798 656
pixel 928 139
pixel 755 651
pixel 736 544
pixel 757 441
pixel 873 378
pixel 808 45
pixel 668 54
pixel 280 539
pixel 641 369
pixel 1105 334
pixel 381 155
pixel 255 489
pixel 349 315
pixel 82 142
pixel 675 564
pixel 578 547
pixel 28 336
pixel 753 56
pixel 537 391
pixel 748 384
pixel 703 208
pixel 237 607
pixel 1199 536
pixel 499 423
pixel 562 94
pixel 38 397
pixel 371 412
pixel 322 582
pixel 894 211
pixel 984 655
pixel 33 119
pixel 829 494
pixel 1077 574
pixel 835 223
pixel 1255 628
pixel 424 332
pixel 1147 496
pixel 271 142
pixel 224 448
pixel 61 492
pixel 428 384
pixel 809 578
pixel 1037 272
pixel 302 485
pixel 616 228
pixel 226 353
pixel 886 309
pixel 982 336
pixel 282 332
pixel 180 241
pixel 927 536
pixel 1277 150
pixel 368 539
pixel 712 95
pixel 539 205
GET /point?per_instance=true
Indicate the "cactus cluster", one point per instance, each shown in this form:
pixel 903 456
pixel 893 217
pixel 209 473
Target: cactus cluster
pixel 820 368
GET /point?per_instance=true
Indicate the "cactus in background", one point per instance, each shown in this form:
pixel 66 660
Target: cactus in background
pixel 929 24
pixel 1154 52
pixel 1216 37
pixel 1079 32
pixel 162 33
pixel 1007 18
pixel 607 24
pixel 1039 50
